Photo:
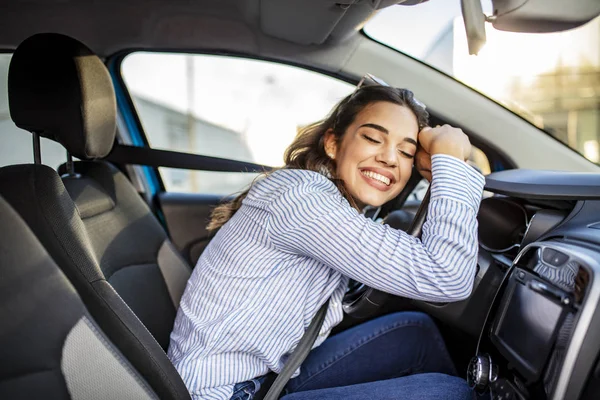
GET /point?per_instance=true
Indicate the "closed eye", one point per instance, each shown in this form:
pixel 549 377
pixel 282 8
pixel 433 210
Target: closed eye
pixel 405 154
pixel 370 139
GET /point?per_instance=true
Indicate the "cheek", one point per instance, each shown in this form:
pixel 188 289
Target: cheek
pixel 406 166
pixel 348 158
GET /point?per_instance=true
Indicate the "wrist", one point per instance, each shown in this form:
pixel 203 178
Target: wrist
pixel 450 149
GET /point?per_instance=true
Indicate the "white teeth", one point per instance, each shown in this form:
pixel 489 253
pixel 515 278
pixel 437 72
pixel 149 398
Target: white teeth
pixel 376 176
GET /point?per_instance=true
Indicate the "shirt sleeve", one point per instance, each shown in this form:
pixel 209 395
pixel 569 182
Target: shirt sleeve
pixel 312 219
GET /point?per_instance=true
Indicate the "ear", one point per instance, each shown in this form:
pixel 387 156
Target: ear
pixel 330 144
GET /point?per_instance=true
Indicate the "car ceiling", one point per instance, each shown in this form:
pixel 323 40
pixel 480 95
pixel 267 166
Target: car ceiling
pixel 259 27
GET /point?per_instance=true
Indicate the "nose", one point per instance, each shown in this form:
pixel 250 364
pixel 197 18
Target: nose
pixel 388 156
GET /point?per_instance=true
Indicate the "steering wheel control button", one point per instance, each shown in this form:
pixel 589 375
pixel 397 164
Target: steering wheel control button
pixel 481 372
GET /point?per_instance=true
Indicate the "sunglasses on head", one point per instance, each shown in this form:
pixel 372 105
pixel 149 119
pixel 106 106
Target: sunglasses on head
pixel 370 80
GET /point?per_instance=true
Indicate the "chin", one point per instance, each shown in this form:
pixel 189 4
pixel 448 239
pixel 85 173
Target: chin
pixel 367 196
pixel 373 201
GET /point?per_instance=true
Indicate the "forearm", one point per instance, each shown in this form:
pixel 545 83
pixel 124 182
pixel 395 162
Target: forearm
pixel 441 267
pixel 450 245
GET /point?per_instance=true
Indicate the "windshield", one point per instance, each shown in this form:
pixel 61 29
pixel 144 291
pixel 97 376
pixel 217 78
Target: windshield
pixel 551 79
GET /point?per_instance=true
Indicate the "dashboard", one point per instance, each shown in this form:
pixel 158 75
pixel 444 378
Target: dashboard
pixel 534 304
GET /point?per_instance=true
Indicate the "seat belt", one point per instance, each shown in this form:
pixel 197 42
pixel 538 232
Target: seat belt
pixel 298 355
pixel 133 155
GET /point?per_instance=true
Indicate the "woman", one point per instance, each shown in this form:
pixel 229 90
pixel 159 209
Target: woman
pixel 295 238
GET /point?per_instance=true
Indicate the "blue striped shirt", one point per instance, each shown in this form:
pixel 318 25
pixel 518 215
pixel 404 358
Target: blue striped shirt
pixel 293 244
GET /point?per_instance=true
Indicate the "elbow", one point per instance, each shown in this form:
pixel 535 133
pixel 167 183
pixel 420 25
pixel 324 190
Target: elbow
pixel 453 296
pixel 460 295
pixel 460 288
pixel 448 293
pixel 461 285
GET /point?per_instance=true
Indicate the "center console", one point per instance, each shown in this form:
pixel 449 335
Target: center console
pixel 541 321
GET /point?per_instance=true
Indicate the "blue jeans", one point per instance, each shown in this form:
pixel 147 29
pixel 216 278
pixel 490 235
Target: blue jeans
pixel 246 390
pixel 397 356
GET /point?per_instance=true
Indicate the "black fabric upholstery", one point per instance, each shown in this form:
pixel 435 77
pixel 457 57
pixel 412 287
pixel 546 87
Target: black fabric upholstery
pixel 127 234
pixel 38 309
pixel 99 248
pixel 125 240
pixel 143 289
pixel 60 89
pixel 89 197
pixel 94 224
pixel 37 193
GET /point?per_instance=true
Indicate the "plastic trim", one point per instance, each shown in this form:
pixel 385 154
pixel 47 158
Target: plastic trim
pixel 125 110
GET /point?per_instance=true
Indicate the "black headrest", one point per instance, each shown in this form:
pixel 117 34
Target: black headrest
pixel 60 89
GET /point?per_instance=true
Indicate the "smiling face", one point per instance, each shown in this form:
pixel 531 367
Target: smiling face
pixel 376 153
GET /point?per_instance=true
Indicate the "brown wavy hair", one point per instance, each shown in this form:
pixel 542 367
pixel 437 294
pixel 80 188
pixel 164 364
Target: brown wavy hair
pixel 307 151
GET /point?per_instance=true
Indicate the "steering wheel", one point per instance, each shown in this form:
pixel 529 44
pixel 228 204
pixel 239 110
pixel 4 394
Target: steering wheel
pixel 362 301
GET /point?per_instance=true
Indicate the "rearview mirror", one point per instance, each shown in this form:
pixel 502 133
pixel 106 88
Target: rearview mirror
pixel 542 15
pixel 533 16
pixel 474 20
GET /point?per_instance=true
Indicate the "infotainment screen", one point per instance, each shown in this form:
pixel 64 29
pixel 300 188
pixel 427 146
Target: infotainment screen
pixel 526 325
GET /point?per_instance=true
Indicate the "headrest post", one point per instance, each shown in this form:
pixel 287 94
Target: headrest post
pixel 37 151
pixel 70 168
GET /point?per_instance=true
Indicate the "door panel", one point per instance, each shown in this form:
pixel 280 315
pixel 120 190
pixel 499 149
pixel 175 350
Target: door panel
pixel 186 216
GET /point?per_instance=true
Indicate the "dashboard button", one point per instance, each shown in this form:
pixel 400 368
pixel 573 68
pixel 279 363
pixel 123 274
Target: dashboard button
pixel 481 372
pixel 553 257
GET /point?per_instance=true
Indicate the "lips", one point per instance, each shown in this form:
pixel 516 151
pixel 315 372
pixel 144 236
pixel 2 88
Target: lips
pixel 378 178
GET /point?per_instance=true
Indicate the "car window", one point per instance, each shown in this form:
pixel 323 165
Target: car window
pixel 235 108
pixel 550 79
pixel 229 107
pixel 17 147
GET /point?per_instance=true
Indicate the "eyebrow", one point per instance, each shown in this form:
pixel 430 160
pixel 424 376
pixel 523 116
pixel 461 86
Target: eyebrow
pixel 382 129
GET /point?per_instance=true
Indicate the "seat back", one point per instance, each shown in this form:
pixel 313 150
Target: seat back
pixel 51 347
pixel 91 219
pixel 130 247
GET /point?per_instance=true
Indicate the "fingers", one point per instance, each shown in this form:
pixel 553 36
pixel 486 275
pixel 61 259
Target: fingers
pixel 423 163
pixel 445 140
pixel 426 173
pixel 425 137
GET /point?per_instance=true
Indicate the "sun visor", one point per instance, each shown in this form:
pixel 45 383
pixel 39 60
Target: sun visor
pixel 542 15
pixel 315 21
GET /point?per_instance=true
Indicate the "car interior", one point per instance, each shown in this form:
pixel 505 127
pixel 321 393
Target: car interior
pixel 105 216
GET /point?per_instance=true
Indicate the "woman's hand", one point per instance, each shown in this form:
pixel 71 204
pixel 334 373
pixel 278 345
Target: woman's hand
pixel 440 140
